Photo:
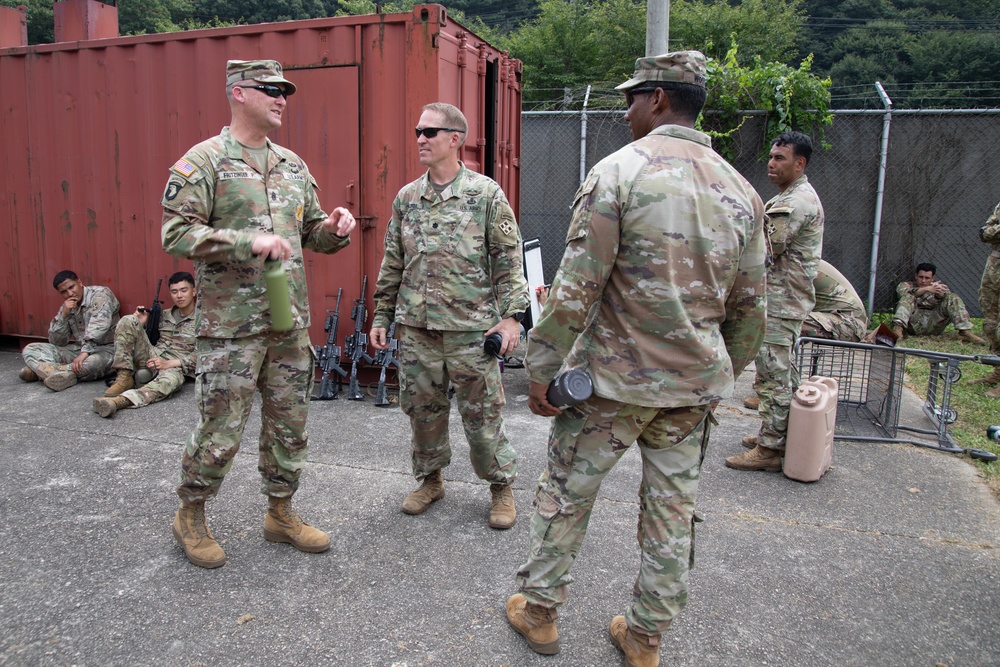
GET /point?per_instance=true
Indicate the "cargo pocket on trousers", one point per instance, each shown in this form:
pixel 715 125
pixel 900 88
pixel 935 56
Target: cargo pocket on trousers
pixel 213 383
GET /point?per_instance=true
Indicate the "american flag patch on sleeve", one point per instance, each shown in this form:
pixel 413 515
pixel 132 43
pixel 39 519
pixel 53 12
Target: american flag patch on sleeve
pixel 184 168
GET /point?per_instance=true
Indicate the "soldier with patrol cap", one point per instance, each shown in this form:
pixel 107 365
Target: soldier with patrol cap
pixel 451 276
pixel 795 232
pixel 660 298
pixel 230 203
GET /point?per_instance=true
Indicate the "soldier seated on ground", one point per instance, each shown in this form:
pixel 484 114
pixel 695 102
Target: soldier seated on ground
pixel 926 307
pixel 169 361
pixel 81 337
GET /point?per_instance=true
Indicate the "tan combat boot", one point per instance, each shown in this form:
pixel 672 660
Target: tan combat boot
pixel 107 407
pixel 283 524
pixel 992 378
pixel 750 441
pixel 967 336
pixel 640 650
pixel 897 331
pixel 537 624
pixel 759 458
pixel 430 490
pixel 43 370
pixel 27 374
pixel 503 514
pixel 122 383
pixel 62 378
pixel 192 533
pixel 751 403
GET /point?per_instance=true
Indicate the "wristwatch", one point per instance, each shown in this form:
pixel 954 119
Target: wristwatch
pixel 518 316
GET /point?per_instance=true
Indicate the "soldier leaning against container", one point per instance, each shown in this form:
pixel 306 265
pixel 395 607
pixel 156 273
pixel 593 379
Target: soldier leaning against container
pixel 169 361
pixel 795 233
pixel 989 297
pixel 452 275
pixel 660 298
pixel 230 203
pixel 81 337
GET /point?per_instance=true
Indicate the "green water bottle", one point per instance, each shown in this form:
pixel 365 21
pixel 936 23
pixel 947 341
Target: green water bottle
pixel 277 295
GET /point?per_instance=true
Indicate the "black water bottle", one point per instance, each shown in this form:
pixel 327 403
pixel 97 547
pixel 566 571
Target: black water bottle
pixel 570 388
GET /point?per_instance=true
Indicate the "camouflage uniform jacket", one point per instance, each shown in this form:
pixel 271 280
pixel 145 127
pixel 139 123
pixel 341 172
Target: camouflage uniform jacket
pixel 836 295
pixel 925 301
pixel 452 261
pixel 215 204
pixel 990 232
pixel 660 293
pixel 795 232
pixel 91 325
pixel 178 339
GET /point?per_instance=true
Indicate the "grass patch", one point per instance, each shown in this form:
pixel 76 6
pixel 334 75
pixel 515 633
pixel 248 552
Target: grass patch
pixel 975 410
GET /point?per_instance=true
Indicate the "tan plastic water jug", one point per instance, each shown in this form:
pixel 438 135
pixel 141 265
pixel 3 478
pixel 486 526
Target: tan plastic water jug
pixel 811 423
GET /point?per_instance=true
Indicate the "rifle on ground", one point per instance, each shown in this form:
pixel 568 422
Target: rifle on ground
pixel 155 312
pixel 386 358
pixel 356 345
pixel 328 357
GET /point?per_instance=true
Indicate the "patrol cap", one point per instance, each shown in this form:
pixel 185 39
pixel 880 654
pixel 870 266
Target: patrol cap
pixel 261 71
pixel 677 66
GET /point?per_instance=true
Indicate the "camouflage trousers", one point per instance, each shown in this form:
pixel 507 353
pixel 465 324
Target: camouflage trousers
pixel 229 370
pixel 430 361
pixel 931 321
pixel 989 302
pixel 776 380
pixel 585 443
pixel 95 367
pixel 835 326
pixel 132 351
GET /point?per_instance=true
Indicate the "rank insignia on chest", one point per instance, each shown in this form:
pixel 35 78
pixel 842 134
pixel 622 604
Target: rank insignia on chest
pixel 507 227
pixel 184 168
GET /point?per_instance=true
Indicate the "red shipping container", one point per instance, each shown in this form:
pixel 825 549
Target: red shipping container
pixel 90 129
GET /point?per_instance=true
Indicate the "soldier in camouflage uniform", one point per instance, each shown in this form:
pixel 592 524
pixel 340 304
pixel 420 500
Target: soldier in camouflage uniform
pixel 839 313
pixel 926 307
pixel 81 337
pixel 230 203
pixel 452 275
pixel 795 234
pixel 170 360
pixel 660 299
pixel 989 297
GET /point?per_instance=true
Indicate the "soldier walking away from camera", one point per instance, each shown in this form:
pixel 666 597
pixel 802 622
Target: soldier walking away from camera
pixel 230 203
pixel 81 337
pixel 452 275
pixel 795 231
pixel 168 362
pixel 660 298
pixel 926 307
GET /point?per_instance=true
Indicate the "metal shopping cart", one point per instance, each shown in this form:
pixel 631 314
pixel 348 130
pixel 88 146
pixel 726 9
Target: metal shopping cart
pixel 870 380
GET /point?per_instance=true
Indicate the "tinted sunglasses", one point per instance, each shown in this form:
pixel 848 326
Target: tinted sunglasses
pixel 270 91
pixel 431 132
pixel 630 95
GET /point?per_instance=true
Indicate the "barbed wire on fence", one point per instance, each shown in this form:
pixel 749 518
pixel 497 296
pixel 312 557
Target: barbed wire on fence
pixel 941 185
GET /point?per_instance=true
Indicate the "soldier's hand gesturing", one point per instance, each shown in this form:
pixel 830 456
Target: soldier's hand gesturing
pixel 340 222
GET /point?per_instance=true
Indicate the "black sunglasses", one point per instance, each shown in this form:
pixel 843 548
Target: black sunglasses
pixel 270 91
pixel 431 132
pixel 630 95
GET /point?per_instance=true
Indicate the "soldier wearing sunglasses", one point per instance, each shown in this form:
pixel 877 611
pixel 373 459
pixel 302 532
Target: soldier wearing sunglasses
pixel 231 203
pixel 451 276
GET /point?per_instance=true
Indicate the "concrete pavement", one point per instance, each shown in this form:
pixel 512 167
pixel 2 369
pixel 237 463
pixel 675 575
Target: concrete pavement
pixel 891 559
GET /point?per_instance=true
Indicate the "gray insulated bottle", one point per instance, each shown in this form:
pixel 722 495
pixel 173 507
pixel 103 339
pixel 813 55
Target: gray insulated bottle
pixel 572 387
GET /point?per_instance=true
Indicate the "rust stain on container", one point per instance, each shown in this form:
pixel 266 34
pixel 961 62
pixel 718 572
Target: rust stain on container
pixel 95 126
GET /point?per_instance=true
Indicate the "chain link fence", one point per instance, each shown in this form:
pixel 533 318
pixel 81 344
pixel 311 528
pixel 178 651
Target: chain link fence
pixel 940 186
